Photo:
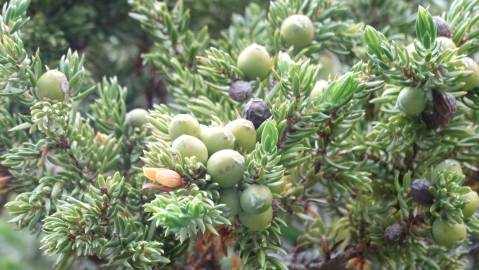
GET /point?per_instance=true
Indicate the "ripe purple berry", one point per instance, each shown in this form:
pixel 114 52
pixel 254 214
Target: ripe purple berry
pixel 443 28
pixel 240 91
pixel 394 233
pixel 444 107
pixel 256 111
pixel 420 191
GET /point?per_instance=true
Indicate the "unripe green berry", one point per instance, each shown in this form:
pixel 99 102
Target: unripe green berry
pixel 226 167
pixel 244 132
pixel 471 81
pixel 297 31
pixel 412 101
pixel 137 117
pixel 189 146
pixel 254 61
pixel 449 165
pixel 230 197
pixel 447 234
pixel 217 138
pixel 318 89
pixel 184 124
pixel 330 65
pixel 53 85
pixel 256 199
pixel 471 205
pixel 257 222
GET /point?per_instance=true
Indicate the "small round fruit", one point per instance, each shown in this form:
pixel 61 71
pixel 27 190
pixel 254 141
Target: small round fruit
pixel 256 199
pixel 244 132
pixel 472 204
pixel 330 65
pixel 297 31
pixel 411 101
pixel 137 117
pixel 240 91
pixel 443 28
pixel 226 167
pixel 254 61
pixel 445 43
pixel 448 234
pixel 318 89
pixel 184 124
pixel 53 85
pixel 256 111
pixel 189 146
pixel 420 191
pixel 217 138
pixel 449 165
pixel 257 222
pixel 471 81
pixel 394 233
pixel 230 197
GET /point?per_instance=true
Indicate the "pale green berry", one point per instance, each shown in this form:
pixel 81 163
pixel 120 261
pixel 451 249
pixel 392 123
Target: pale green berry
pixel 217 138
pixel 256 199
pixel 189 146
pixel 137 117
pixel 226 167
pixel 257 222
pixel 244 132
pixel 412 101
pixel 53 85
pixel 297 31
pixel 254 61
pixel 448 234
pixel 184 124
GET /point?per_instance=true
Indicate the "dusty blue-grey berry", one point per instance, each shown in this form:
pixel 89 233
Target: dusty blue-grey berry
pixel 443 28
pixel 256 111
pixel 394 233
pixel 240 90
pixel 443 109
pixel 420 191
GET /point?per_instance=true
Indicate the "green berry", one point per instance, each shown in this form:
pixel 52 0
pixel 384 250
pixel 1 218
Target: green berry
pixel 471 81
pixel 257 222
pixel 256 199
pixel 226 167
pixel 412 101
pixel 184 124
pixel 217 138
pixel 449 165
pixel 137 117
pixel 330 65
pixel 53 85
pixel 448 234
pixel 318 89
pixel 297 31
pixel 230 197
pixel 244 132
pixel 254 61
pixel 471 205
pixel 189 146
pixel 445 43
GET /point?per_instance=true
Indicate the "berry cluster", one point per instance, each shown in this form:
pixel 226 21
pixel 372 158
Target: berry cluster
pixel 445 232
pixel 437 107
pixel 220 149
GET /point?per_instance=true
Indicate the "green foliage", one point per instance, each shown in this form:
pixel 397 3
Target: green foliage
pixel 347 157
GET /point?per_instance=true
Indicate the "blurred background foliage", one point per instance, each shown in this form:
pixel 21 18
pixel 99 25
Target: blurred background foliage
pixel 113 43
